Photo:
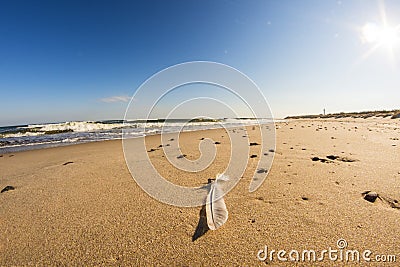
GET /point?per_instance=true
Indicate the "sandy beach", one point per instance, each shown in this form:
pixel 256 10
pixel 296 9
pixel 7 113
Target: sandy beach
pixel 79 205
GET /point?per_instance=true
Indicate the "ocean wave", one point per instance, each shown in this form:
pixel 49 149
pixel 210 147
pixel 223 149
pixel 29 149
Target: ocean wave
pixel 75 126
pixel 59 128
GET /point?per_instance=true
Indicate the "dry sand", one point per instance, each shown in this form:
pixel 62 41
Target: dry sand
pixel 91 211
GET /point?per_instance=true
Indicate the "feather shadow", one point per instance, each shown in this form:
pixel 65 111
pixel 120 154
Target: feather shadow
pixel 202 226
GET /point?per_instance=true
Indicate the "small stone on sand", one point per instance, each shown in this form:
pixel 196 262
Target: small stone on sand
pixel 332 157
pixel 262 170
pixel 7 188
pixel 370 196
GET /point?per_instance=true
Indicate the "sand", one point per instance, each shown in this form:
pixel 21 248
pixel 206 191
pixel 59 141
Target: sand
pixel 78 205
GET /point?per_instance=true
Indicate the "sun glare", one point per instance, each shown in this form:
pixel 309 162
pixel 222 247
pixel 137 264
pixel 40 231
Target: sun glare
pixel 389 36
pixel 370 33
pixel 382 36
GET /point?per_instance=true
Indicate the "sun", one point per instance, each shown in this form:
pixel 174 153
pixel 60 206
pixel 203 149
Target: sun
pixel 380 35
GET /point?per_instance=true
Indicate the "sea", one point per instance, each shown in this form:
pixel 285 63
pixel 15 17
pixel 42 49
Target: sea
pixel 37 136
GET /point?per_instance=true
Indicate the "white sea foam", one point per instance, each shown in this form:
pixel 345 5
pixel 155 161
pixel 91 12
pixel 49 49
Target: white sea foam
pixel 76 126
pixel 22 134
pixel 70 140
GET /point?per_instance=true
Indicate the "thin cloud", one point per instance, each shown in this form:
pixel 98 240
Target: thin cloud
pixel 114 99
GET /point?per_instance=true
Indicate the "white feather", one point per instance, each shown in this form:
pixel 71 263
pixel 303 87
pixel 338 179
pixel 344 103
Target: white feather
pixel 221 177
pixel 216 211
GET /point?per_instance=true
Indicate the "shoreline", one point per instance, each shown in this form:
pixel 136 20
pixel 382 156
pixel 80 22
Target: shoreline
pixel 54 145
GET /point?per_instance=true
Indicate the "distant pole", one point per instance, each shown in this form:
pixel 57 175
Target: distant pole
pixel 324 112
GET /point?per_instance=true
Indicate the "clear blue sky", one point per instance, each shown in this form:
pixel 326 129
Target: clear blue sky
pixel 79 60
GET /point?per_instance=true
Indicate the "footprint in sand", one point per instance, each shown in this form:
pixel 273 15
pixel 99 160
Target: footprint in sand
pixel 331 158
pixel 344 159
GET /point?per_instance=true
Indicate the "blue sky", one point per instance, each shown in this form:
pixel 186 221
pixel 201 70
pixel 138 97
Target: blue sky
pixel 81 60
